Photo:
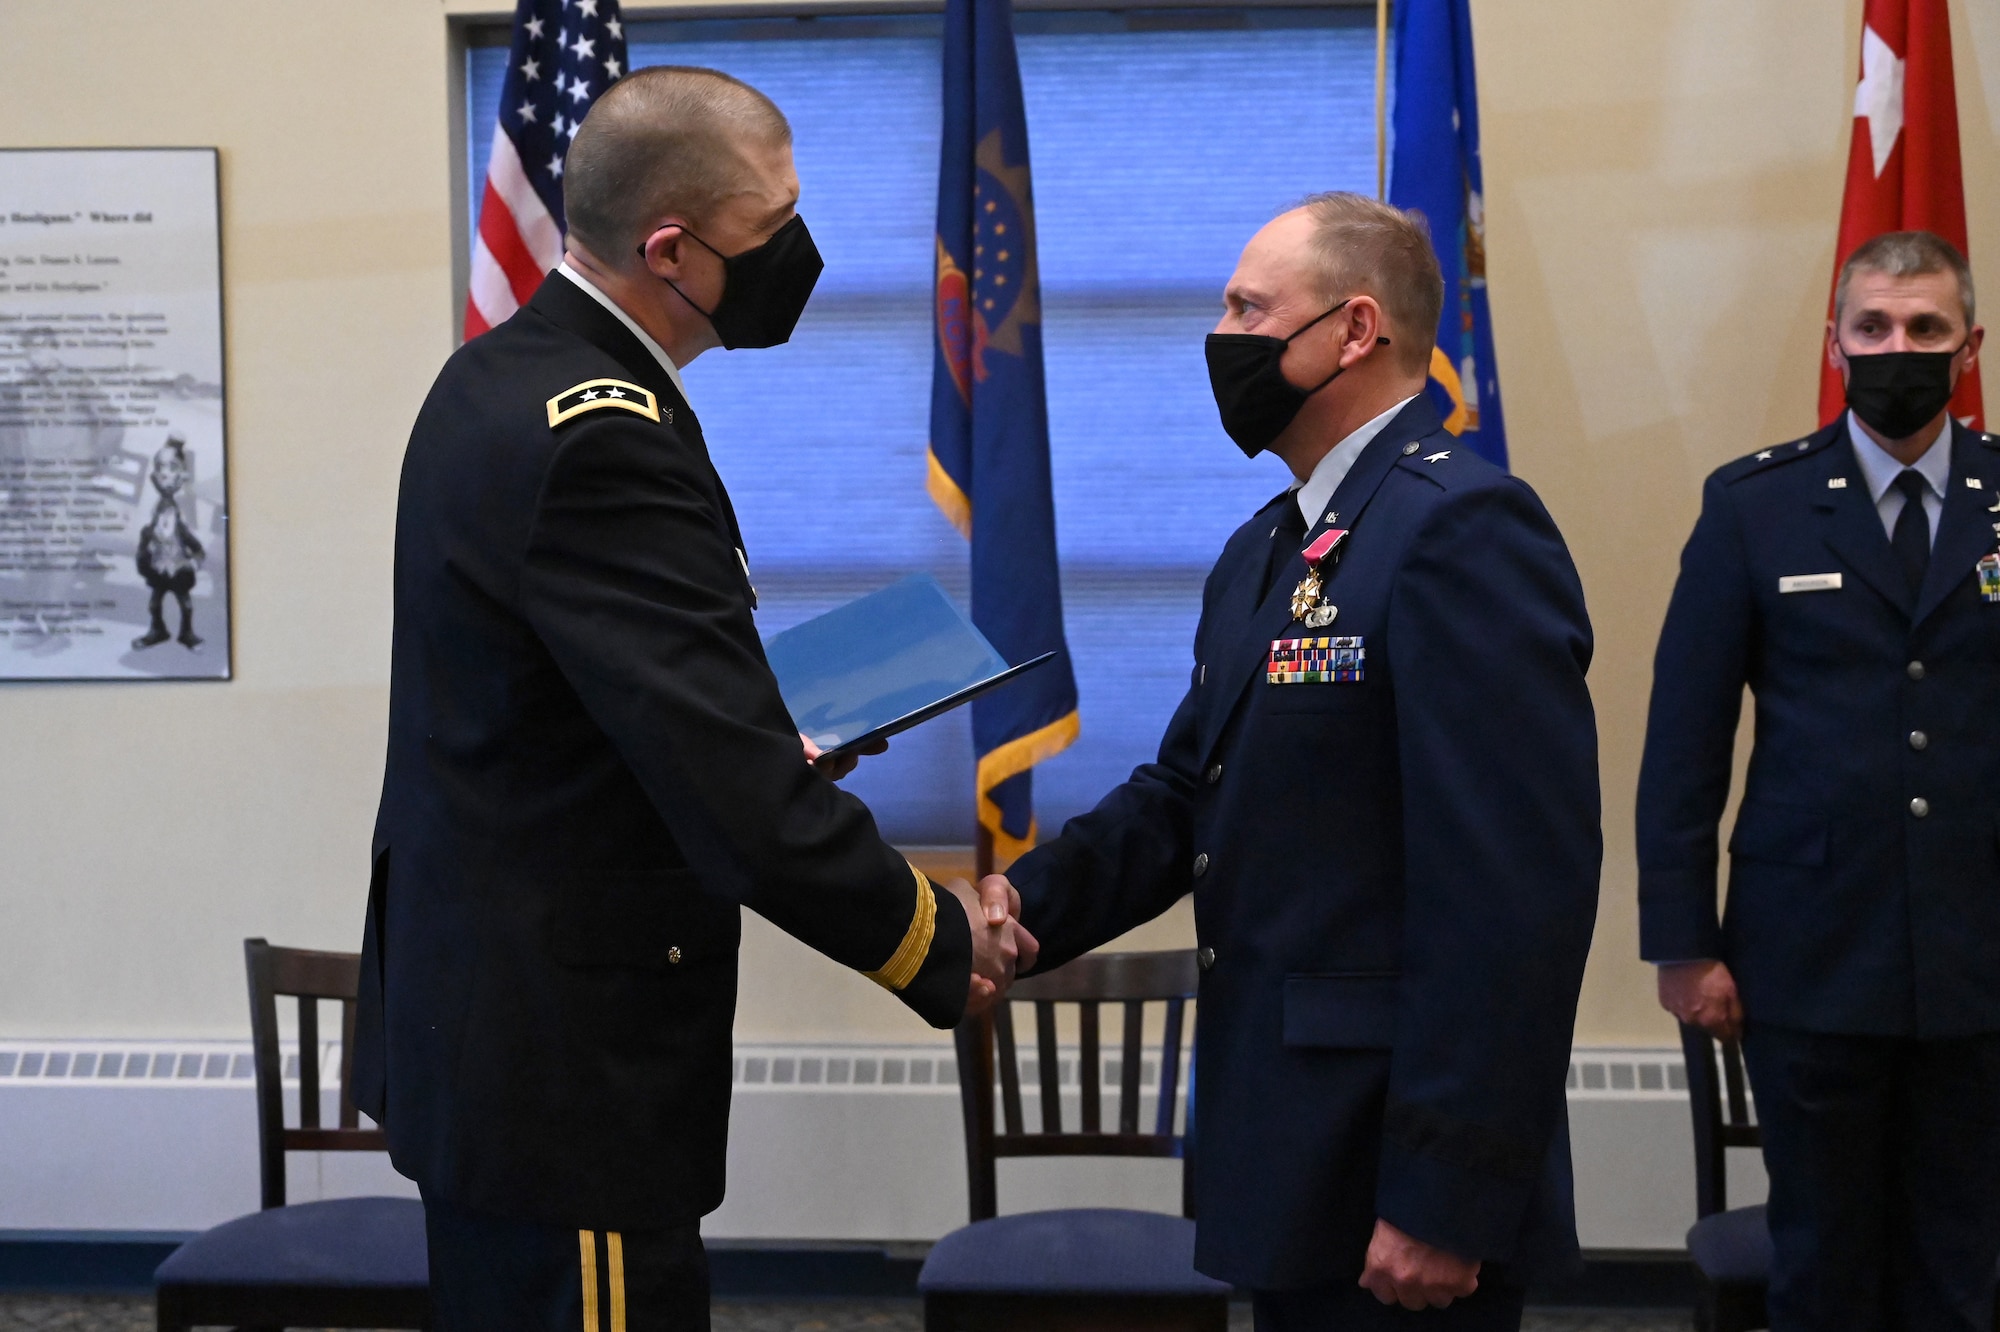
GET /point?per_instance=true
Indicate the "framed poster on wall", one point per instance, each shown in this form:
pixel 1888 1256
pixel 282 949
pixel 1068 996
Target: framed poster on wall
pixel 114 503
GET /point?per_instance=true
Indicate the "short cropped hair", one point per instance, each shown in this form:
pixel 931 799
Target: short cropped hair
pixel 1905 254
pixel 1364 245
pixel 668 139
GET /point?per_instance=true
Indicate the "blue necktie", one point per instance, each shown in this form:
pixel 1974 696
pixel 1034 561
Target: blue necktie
pixel 1912 538
pixel 1291 530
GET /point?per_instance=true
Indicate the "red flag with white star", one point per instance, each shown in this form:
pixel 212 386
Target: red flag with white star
pixel 1903 165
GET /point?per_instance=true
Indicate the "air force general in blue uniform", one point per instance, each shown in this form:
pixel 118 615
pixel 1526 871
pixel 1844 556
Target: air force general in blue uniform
pixel 1393 846
pixel 1856 598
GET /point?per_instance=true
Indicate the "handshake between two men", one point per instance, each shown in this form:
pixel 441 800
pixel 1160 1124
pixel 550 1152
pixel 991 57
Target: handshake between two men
pixel 1001 945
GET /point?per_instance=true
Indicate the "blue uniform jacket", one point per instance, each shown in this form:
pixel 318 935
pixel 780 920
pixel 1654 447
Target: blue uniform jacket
pixel 1864 887
pixel 1395 878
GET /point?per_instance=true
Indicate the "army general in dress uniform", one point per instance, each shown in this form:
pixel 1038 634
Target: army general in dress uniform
pixel 1849 579
pixel 590 769
pixel 1381 789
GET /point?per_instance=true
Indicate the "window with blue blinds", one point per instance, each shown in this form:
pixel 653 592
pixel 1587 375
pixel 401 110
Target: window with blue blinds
pixel 1160 141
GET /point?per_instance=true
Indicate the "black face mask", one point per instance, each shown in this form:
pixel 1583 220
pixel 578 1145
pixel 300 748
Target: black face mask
pixel 1257 402
pixel 764 290
pixel 1899 393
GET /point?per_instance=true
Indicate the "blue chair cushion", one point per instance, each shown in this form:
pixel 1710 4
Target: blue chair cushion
pixel 342 1242
pixel 1076 1251
pixel 1733 1246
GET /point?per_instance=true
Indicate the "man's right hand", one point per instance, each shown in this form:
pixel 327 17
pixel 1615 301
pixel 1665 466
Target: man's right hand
pixel 1000 943
pixel 1703 994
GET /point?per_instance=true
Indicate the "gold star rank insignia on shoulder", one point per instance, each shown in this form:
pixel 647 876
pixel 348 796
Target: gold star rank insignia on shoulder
pixel 592 394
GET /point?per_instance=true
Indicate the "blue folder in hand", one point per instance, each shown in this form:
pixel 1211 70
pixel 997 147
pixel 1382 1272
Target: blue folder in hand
pixel 883 663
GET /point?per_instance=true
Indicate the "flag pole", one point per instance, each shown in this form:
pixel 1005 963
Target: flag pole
pixel 1381 99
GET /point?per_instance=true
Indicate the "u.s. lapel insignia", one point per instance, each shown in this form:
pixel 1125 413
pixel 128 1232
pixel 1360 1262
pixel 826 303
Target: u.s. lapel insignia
pixel 1305 597
pixel 592 394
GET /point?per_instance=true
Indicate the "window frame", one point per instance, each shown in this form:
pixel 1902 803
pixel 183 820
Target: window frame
pixel 495 27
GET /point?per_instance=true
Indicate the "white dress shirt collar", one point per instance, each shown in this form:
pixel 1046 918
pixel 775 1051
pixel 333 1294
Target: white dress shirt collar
pixel 1879 469
pixel 645 338
pixel 1316 490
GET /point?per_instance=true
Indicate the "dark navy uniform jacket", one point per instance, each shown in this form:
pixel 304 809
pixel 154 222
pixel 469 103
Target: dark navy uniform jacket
pixel 589 770
pixel 1864 886
pixel 1395 879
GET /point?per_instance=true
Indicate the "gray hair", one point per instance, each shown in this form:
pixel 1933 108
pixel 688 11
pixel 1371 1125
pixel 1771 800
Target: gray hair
pixel 1364 245
pixel 668 139
pixel 1905 254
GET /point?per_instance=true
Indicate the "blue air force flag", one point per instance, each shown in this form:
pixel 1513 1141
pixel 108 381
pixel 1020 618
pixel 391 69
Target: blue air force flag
pixel 989 454
pixel 1434 169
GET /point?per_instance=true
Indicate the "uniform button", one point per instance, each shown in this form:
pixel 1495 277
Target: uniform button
pixel 1201 864
pixel 1920 807
pixel 674 956
pixel 1916 670
pixel 1215 774
pixel 1918 740
pixel 1205 959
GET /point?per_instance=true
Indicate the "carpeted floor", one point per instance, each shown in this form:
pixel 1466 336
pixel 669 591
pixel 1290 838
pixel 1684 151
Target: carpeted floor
pixel 101 1313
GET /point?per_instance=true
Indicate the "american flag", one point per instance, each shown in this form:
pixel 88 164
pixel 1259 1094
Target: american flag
pixel 565 53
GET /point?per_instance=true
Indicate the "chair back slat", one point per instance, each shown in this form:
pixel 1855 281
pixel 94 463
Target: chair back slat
pixel 1089 1064
pixel 1130 979
pixel 309 977
pixel 1050 1061
pixel 1131 1057
pixel 1732 1076
pixel 1010 1067
pixel 975 1064
pixel 308 1062
pixel 1170 1068
pixel 1719 1103
pixel 350 1114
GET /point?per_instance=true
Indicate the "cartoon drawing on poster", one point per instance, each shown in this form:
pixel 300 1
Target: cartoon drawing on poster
pixel 114 550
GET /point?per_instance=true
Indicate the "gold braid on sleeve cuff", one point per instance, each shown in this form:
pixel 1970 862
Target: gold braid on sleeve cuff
pixel 909 957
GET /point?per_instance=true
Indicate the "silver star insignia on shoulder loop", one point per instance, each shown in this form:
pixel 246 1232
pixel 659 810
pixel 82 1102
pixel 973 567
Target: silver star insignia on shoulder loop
pixel 592 394
pixel 1439 456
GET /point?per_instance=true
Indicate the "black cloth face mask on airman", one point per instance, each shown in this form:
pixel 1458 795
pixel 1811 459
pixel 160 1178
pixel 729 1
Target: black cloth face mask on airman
pixel 1257 402
pixel 1899 393
pixel 764 289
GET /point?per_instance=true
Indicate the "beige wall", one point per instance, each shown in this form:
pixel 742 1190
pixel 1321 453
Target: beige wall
pixel 1662 192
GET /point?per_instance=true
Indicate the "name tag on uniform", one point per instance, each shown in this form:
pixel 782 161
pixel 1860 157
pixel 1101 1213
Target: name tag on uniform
pixel 1316 661
pixel 1829 582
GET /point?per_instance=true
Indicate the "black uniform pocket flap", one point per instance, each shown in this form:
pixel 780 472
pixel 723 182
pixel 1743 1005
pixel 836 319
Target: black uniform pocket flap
pixel 660 921
pixel 1775 831
pixel 1353 1010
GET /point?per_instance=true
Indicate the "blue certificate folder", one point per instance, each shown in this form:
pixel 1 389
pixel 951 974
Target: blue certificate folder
pixel 883 663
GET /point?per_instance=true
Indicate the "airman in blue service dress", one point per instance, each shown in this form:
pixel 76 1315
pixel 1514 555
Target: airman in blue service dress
pixel 590 772
pixel 1863 917
pixel 1381 788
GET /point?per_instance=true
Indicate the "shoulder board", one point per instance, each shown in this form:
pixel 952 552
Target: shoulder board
pixel 1777 455
pixel 1990 440
pixel 1446 461
pixel 592 394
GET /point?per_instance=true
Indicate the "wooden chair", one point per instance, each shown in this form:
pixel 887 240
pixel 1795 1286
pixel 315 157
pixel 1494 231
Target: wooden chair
pixel 343 1262
pixel 1094 1268
pixel 1731 1247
